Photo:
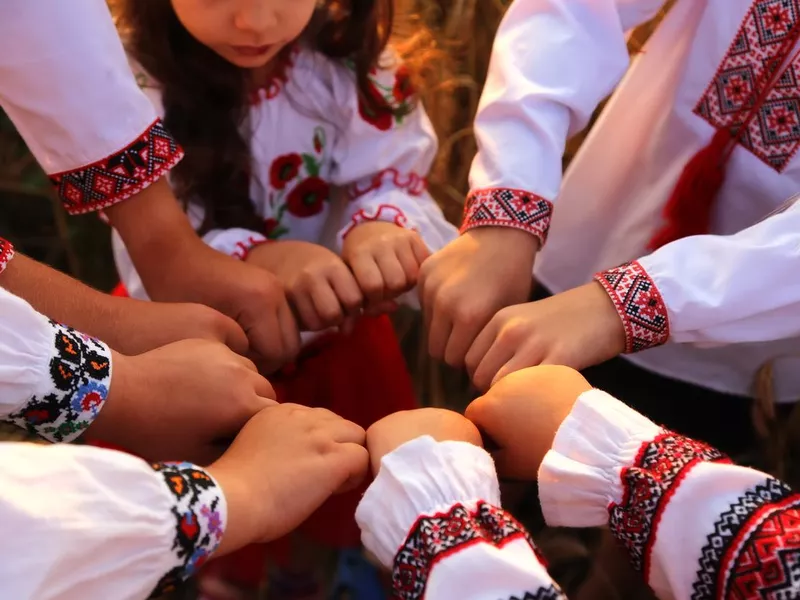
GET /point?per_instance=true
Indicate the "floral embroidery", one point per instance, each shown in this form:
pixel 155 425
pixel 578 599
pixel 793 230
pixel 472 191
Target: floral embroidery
pixel 278 77
pixel 761 46
pixel 387 213
pixel 297 187
pixel 412 183
pixel 198 520
pixel 6 253
pixel 647 487
pixel 121 175
pixel 754 549
pixel 80 374
pixel 436 537
pixel 639 304
pixel 387 103
pixel 502 207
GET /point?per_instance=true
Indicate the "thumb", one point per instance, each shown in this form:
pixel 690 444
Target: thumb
pixel 234 337
pixel 352 466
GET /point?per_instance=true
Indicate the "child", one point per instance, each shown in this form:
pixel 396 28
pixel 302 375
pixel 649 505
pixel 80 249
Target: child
pixel 306 154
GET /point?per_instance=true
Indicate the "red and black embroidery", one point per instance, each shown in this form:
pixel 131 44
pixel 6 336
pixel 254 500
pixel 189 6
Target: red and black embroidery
pixel 508 208
pixel 639 304
pixel 278 77
pixel 647 487
pixel 388 213
pixel 743 84
pixel 120 175
pixel 754 550
pixel 544 593
pixel 436 537
pixel 80 374
pixel 389 102
pixel 198 521
pixel 6 253
pixel 411 183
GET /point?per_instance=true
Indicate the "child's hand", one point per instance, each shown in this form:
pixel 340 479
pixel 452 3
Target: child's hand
pixel 395 430
pixel 282 466
pixel 578 328
pixel 385 259
pixel 522 413
pixel 317 282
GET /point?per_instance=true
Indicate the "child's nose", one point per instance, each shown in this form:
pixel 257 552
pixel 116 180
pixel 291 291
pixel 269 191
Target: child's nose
pixel 257 16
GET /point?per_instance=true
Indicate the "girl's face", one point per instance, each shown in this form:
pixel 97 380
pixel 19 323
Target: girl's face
pixel 247 33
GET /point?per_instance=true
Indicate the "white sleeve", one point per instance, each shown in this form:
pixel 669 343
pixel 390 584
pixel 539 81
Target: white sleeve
pixel 432 515
pixel 552 63
pixel 53 380
pixel 81 522
pixel 66 85
pixel 710 290
pixel 693 524
pixel 382 160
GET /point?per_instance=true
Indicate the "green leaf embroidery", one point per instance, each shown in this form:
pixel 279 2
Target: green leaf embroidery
pixel 311 164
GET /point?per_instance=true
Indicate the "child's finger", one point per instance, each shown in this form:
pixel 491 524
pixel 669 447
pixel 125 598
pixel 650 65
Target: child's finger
pixel 369 278
pixel 304 306
pixel 394 276
pixel 326 303
pixel 420 249
pixel 409 263
pixel 345 286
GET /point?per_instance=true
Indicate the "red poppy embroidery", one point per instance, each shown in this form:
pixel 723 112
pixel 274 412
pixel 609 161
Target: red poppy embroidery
pixel 375 110
pixel 403 89
pixel 270 225
pixel 308 197
pixel 284 169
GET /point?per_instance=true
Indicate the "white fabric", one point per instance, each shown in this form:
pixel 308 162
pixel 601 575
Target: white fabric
pixel 375 174
pixel 580 476
pixel 426 478
pixel 63 72
pixel 26 345
pixel 555 60
pixel 81 522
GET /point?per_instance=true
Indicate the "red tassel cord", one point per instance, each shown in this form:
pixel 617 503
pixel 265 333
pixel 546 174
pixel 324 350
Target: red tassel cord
pixel 690 206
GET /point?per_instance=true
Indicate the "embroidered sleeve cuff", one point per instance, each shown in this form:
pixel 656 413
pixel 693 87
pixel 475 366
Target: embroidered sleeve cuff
pixel 387 213
pixel 423 478
pixel 234 242
pixel 79 379
pixel 499 207
pixel 6 253
pixel 580 476
pixel 640 305
pixel 200 515
pixel 121 175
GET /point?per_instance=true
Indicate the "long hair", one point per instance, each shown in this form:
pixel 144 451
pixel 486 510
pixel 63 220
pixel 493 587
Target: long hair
pixel 206 98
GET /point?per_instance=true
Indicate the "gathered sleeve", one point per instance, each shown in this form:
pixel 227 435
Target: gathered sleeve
pixel 381 159
pixel 712 290
pixel 53 380
pixel 67 87
pixel 433 516
pixel 82 522
pixel 693 524
pixel 552 63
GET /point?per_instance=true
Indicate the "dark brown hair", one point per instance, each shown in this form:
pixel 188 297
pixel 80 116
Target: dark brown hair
pixel 206 98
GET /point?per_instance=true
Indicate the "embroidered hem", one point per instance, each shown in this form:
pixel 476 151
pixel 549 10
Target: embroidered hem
pixel 199 520
pixel 411 183
pixel 6 253
pixel 243 248
pixel 121 175
pixel 639 304
pixel 503 207
pixel 80 374
pixel 388 213
pixel 435 537
pixel 647 487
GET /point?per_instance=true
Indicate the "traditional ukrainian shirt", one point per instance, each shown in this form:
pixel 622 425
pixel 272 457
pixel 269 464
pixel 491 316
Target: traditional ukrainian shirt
pixel 322 162
pixel 553 62
pixel 693 524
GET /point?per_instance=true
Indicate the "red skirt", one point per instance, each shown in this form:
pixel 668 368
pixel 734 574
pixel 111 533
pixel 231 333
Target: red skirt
pixel 362 377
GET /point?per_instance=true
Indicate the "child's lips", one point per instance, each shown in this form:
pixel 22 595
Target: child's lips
pixel 252 51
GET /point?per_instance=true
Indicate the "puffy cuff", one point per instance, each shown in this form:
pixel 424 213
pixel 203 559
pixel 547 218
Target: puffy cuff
pixel 580 476
pixel 502 207
pixel 234 242
pixel 423 478
pixel 388 213
pixel 120 175
pixel 639 304
pixel 6 253
pixel 200 515
pixel 79 371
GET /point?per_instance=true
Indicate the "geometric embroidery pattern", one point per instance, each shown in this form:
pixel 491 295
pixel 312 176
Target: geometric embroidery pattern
pixel 639 304
pixel 121 175
pixel 6 253
pixel 436 537
pixel 198 521
pixel 647 487
pixel 80 374
pixel 504 207
pixel 761 47
pixel 548 593
pixel 754 550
